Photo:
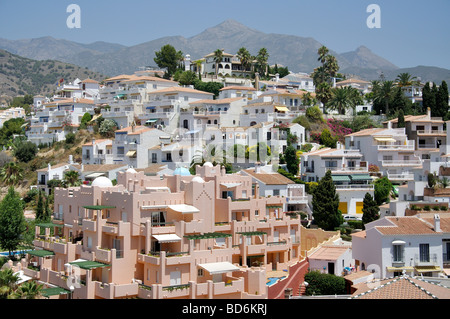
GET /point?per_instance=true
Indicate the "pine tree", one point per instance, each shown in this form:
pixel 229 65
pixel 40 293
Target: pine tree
pixel 12 221
pixel 47 213
pixel 326 204
pixel 370 209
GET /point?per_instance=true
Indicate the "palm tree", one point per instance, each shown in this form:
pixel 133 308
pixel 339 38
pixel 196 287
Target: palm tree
pixel 11 174
pixel 340 100
pixel 218 57
pixel 28 290
pixel 245 58
pixel 8 282
pixel 324 94
pixel 198 65
pixel 384 93
pixel 71 178
pixel 323 52
pixel 405 80
pixel 262 58
pixel 444 182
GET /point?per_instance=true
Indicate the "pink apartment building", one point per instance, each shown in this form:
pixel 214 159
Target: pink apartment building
pixel 205 236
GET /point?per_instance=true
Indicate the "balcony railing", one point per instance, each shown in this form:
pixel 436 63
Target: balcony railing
pixel 401 177
pixel 401 162
pixel 431 259
pixel 396 147
pixel 348 169
pixel 431 132
pixel 427 146
pixel 355 187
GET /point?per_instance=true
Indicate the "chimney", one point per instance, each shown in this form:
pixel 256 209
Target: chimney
pixel 70 159
pixel 49 167
pixel 257 81
pixel 428 113
pixel 389 125
pixel 257 167
pixel 437 223
pixel 277 77
pixel 93 141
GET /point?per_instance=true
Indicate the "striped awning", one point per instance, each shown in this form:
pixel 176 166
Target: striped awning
pixel 361 177
pixel 341 178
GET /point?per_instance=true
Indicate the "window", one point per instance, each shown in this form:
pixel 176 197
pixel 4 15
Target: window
pixel 256 212
pixel 276 192
pixel 244 194
pixel 200 272
pixel 398 253
pixel 424 252
pixel 158 218
pixel 154 158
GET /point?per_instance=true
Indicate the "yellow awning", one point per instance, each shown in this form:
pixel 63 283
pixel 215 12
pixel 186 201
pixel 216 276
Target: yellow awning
pixel 394 269
pixel 428 268
pixel 282 108
pixel 131 153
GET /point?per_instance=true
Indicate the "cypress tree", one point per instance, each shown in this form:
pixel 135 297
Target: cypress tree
pixel 326 204
pixel 433 106
pixel 12 221
pixel 40 208
pixel 442 99
pixel 426 95
pixel 401 119
pixel 370 209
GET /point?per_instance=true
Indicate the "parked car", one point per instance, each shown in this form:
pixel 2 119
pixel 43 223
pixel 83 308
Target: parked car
pixel 351 217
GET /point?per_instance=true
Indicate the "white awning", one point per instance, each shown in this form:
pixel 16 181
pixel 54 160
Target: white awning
pixel 183 208
pixel 94 175
pixel 22 277
pixel 230 185
pixel 167 238
pixel 385 139
pixel 398 242
pixel 219 268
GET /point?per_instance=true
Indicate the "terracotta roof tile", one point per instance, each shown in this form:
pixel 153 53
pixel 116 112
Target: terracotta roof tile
pixel 269 178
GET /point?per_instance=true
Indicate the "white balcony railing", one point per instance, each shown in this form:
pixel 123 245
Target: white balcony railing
pixel 417 162
pixel 431 132
pixel 401 177
pixel 355 187
pixel 348 169
pixel 396 147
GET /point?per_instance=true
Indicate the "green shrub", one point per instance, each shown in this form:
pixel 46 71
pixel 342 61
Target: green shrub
pixel 324 284
pixel 443 208
pixel 356 224
pixel 436 208
pixel 427 208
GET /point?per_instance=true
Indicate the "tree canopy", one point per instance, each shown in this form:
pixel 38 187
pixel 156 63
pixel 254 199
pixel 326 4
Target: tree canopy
pixel 168 57
pixel 12 220
pixel 325 203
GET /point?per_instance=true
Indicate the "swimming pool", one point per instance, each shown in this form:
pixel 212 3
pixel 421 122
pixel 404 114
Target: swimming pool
pixel 17 252
pixel 273 280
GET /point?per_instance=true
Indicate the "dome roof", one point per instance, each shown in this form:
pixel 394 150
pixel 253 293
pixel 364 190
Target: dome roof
pixel 102 181
pixel 183 171
pixel 131 170
pixel 198 179
pixel 208 164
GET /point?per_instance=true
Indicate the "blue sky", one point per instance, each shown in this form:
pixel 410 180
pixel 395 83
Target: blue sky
pixel 412 32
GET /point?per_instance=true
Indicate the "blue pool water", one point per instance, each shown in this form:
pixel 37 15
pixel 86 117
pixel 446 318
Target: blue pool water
pixel 273 280
pixel 17 252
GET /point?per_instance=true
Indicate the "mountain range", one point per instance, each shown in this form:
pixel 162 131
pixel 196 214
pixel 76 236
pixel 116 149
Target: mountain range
pixel 299 54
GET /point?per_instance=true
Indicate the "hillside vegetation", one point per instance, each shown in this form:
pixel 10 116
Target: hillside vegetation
pixel 21 76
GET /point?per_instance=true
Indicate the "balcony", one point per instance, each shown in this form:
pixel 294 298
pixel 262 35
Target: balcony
pixel 400 163
pixel 348 170
pixel 427 146
pixel 430 260
pixel 432 132
pixel 368 187
pixel 397 147
pixel 401 177
pixel 297 199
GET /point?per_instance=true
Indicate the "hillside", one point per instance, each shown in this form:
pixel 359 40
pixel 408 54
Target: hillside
pixel 20 76
pixel 298 53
